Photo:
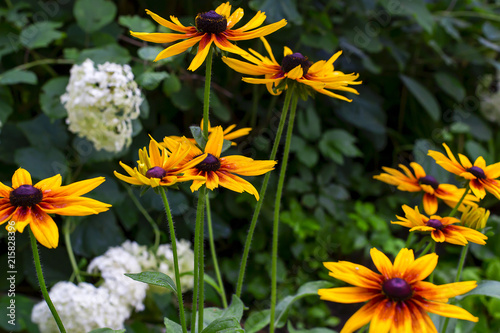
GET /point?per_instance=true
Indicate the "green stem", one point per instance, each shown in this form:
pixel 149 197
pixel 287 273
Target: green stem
pixel 176 260
pixel 262 193
pixel 206 95
pixel 41 281
pixel 427 248
pixel 201 262
pixel 69 249
pixel 277 203
pixel 214 254
pixel 409 239
pixel 467 188
pixel 148 217
pixel 199 217
pixel 42 62
pixel 461 263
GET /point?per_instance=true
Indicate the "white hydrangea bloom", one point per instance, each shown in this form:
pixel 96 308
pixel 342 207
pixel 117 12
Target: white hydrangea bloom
pixel 113 265
pixel 101 104
pixel 185 255
pixel 146 259
pixel 81 308
pixel 488 92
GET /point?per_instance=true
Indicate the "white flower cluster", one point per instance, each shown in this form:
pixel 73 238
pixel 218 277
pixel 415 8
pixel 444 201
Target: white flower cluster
pixel 489 93
pixel 101 104
pixel 84 307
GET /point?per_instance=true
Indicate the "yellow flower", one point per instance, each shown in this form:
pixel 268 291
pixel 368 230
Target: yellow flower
pixel 27 204
pixel 216 170
pixel 160 167
pixel 215 26
pixel 398 299
pixel 320 76
pixel 475 218
pixel 481 177
pixel 418 180
pixel 228 135
pixel 442 229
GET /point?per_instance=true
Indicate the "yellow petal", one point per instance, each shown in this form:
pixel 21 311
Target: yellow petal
pixel 21 177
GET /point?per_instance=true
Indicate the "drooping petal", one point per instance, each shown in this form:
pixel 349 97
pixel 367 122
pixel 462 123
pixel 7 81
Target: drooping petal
pixel 447 310
pixel 44 228
pixel 203 49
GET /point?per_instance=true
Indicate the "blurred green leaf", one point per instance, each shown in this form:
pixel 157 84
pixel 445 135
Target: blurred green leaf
pixel 450 85
pixel 216 107
pixel 106 330
pixel 50 98
pixel 423 96
pixel 486 288
pixel 171 84
pixel 6 102
pixel 92 15
pixel 312 330
pixel 40 34
pixel 16 76
pixel 337 143
pixel 184 99
pixel 137 23
pixel 45 133
pixel 309 124
pixel 277 10
pixel 18 312
pixel 172 327
pixel 150 52
pixel 491 32
pixel 151 80
pixel 224 325
pixel 42 162
pixel 112 53
pixel 155 278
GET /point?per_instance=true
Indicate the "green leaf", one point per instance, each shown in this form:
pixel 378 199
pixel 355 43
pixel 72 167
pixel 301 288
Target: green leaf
pixel 23 308
pixel 42 162
pixel 172 327
pixel 258 320
pixel 336 143
pixel 50 98
pixel 184 98
pixel 92 15
pixel 150 52
pixel 486 288
pixel 156 279
pixel 235 309
pixel 171 84
pixel 312 330
pixel 151 80
pixel 112 53
pixel 137 23
pixel 40 34
pixel 309 125
pixel 450 85
pixel 15 76
pixel 224 325
pixel 6 102
pixel 198 136
pixel 491 32
pixel 278 9
pixel 217 108
pixel 42 132
pixel 106 330
pixel 423 96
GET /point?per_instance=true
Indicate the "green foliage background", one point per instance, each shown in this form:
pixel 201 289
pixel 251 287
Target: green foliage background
pixel 420 63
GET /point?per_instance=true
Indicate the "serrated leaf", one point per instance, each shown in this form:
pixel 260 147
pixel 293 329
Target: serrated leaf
pixel 16 76
pixel 224 325
pixel 40 34
pixel 172 327
pixel 151 80
pixel 156 279
pixel 50 98
pixel 450 85
pixel 423 96
pixel 92 15
pixel 137 23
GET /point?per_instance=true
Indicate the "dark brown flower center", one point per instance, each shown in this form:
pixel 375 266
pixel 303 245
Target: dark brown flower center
pixel 397 289
pixel 210 163
pixel 429 180
pixel 477 171
pixel 436 224
pixel 156 172
pixel 25 196
pixel 293 60
pixel 211 22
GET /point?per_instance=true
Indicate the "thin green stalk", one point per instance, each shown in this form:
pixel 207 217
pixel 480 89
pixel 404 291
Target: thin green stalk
pixel 206 95
pixel 199 217
pixel 201 263
pixel 427 248
pixel 461 263
pixel 148 217
pixel 214 253
pixel 41 281
pixel 69 248
pixel 455 209
pixel 176 260
pixel 277 203
pixel 409 239
pixel 262 193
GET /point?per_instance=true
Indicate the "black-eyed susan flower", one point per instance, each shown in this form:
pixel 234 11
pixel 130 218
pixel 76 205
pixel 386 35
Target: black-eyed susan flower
pixel 482 178
pixel 320 76
pixel 398 298
pixel 228 133
pixel 223 171
pixel 475 217
pixel 161 167
pixel 28 204
pixel 418 180
pixel 442 229
pixel 215 26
